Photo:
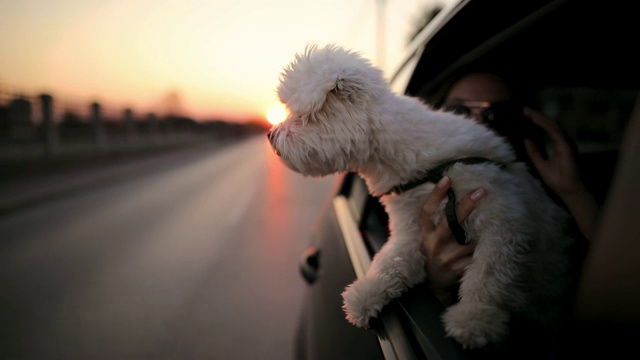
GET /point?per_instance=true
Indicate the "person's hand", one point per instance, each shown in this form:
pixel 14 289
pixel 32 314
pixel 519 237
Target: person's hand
pixel 446 260
pixel 560 172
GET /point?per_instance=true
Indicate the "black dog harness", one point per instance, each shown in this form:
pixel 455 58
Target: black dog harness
pixel 433 176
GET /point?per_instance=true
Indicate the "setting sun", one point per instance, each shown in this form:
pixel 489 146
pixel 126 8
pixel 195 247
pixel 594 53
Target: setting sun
pixel 276 114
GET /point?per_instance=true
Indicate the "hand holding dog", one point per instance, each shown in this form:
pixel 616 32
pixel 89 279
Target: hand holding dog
pixel 446 260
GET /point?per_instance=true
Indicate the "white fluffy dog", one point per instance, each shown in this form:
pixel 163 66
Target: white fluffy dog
pixel 344 118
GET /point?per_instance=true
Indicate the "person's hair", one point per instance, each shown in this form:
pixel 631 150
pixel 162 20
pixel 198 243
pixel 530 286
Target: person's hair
pixel 518 90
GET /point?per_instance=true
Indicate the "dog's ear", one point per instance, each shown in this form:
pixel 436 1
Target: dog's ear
pixel 349 88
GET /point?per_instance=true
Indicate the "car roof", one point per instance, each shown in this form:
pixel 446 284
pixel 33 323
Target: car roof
pixel 540 42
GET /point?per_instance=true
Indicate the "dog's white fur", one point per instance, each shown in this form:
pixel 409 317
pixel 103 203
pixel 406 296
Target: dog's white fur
pixel 343 117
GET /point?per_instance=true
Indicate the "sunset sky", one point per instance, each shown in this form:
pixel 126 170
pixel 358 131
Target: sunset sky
pixel 218 58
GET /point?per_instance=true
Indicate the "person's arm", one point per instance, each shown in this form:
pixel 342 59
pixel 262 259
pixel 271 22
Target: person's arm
pixel 560 172
pixel 446 260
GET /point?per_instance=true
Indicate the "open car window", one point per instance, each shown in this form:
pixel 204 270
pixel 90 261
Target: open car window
pixel 573 57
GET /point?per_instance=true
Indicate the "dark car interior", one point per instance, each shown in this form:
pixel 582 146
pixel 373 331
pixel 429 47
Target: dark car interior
pixel 575 57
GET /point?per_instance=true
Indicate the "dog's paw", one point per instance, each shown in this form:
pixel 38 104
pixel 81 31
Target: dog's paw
pixel 363 300
pixel 476 325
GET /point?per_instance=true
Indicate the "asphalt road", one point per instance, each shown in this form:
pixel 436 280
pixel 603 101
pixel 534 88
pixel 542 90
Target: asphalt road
pixel 189 256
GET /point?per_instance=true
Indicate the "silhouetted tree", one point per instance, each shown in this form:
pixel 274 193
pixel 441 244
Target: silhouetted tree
pixel 72 120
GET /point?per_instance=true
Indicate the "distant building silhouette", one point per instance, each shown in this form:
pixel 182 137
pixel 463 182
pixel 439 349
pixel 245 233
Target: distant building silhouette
pixel 16 120
pixel 20 111
pixel 33 126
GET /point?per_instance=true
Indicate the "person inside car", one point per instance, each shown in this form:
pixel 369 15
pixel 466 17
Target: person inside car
pixel 487 98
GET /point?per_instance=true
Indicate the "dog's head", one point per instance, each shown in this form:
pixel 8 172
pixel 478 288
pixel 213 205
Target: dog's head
pixel 330 93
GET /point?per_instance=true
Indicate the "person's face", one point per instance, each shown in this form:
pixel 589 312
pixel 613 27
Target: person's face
pixel 481 87
pixel 484 97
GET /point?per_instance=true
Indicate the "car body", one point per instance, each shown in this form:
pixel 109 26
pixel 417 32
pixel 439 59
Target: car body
pixel 579 60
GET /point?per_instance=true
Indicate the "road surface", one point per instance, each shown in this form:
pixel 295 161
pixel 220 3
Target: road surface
pixel 193 258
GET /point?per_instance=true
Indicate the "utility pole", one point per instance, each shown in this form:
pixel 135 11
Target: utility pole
pixel 381 33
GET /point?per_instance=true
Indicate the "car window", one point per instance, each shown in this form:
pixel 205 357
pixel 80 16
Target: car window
pixel 355 190
pixel 570 73
pixel 368 212
pixel 374 225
